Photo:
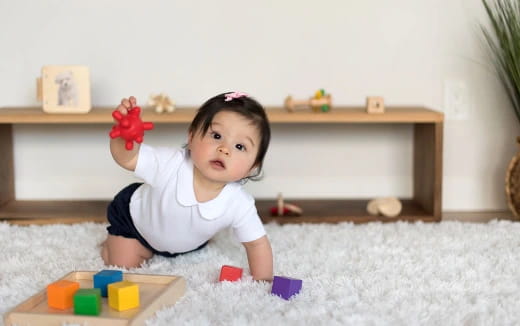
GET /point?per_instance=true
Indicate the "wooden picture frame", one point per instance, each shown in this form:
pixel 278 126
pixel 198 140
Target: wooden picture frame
pixel 65 89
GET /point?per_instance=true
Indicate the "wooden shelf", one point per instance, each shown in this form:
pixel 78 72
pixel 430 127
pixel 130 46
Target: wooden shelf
pixel 316 211
pixel 185 115
pixel 89 209
pixel 53 211
pixel 340 210
pixel 427 167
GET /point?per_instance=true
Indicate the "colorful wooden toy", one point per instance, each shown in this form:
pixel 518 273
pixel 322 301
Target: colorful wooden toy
pixel 285 209
pixel 60 294
pixel 130 127
pixel 156 292
pixel 319 102
pixel 320 95
pixel 286 287
pixel 87 302
pixel 123 295
pixel 375 104
pixel 106 277
pixel 230 273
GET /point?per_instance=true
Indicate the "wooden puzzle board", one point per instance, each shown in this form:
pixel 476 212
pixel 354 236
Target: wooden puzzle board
pixel 155 291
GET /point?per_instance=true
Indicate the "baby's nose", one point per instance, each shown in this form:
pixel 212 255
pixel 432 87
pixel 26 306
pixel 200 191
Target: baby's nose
pixel 223 150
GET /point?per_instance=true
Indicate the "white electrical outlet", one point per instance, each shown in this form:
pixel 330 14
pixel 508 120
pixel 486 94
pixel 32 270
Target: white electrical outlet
pixel 456 100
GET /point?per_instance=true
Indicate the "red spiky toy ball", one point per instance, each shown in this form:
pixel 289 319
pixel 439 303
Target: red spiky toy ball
pixel 130 127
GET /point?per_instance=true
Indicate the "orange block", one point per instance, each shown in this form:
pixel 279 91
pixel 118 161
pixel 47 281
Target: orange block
pixel 60 294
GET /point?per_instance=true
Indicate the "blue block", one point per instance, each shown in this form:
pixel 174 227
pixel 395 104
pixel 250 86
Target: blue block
pixel 286 287
pixel 106 277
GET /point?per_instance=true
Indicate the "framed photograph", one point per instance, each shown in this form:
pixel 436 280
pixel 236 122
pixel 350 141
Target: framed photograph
pixel 65 89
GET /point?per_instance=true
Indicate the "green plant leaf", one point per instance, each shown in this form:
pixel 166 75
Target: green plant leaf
pixel 503 40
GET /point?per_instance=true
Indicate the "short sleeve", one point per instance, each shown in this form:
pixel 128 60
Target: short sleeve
pixel 249 227
pixel 152 162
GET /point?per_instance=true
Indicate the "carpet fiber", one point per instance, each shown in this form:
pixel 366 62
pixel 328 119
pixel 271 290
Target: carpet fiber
pixel 450 273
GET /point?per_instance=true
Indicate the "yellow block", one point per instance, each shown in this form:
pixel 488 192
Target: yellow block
pixel 123 295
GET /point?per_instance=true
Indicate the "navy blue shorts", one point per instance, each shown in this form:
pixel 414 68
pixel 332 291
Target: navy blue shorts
pixel 121 224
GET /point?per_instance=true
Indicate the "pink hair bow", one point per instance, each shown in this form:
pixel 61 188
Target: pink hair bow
pixel 231 96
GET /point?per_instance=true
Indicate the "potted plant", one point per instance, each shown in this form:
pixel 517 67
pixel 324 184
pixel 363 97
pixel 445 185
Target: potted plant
pixel 503 40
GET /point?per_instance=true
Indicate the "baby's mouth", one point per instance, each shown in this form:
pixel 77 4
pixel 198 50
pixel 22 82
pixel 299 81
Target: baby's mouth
pixel 217 164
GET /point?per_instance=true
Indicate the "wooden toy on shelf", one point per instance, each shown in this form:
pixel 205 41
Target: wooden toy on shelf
pixel 230 273
pixel 286 287
pixel 130 127
pixel 375 104
pixel 162 103
pixel 319 98
pixel 285 209
pixel 60 294
pixel 319 102
pixel 386 206
pixel 123 295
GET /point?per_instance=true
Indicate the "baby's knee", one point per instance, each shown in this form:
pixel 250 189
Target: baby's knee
pixel 125 261
pixel 123 252
pixel 104 254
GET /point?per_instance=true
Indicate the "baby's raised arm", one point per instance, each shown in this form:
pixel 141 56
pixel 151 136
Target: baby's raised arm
pixel 127 159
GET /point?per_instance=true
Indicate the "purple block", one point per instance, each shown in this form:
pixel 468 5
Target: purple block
pixel 286 287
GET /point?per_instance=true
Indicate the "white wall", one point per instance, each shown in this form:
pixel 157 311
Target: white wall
pixel 404 50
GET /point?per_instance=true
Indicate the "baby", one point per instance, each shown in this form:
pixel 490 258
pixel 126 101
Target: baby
pixel 191 193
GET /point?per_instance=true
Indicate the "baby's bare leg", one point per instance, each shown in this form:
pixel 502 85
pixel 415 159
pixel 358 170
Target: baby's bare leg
pixel 124 252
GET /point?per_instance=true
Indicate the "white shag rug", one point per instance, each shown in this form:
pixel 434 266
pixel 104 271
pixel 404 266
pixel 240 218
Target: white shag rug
pixel 450 273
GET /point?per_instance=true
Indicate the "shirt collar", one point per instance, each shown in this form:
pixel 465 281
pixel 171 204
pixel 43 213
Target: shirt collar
pixel 211 209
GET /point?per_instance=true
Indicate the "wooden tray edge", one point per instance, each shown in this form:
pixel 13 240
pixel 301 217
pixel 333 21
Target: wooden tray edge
pixel 171 294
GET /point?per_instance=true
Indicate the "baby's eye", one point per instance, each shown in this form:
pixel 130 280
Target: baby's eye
pixel 215 135
pixel 240 147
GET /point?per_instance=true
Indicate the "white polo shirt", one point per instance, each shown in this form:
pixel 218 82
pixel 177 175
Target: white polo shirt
pixel 167 214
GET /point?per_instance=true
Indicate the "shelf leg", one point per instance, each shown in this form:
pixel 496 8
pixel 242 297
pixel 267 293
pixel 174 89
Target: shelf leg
pixel 427 167
pixel 6 164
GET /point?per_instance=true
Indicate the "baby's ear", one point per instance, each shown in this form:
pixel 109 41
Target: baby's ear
pixel 253 168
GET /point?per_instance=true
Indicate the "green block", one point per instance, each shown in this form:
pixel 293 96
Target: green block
pixel 87 302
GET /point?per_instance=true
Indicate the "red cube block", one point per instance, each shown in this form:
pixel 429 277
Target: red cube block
pixel 230 273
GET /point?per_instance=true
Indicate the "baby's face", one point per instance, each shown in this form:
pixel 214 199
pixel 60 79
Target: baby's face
pixel 228 150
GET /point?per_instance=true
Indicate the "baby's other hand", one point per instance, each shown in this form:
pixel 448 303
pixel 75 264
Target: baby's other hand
pixel 126 104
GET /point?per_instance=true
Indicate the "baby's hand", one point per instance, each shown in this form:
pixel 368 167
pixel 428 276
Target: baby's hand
pixel 126 104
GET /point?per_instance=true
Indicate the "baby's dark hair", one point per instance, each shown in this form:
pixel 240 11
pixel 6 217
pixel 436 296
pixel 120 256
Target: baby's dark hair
pixel 247 107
